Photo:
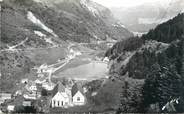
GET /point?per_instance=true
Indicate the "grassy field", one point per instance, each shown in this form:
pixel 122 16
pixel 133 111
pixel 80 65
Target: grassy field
pixel 49 56
pixel 108 95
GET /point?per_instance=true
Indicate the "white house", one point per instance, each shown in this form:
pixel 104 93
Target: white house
pixel 60 98
pixel 78 97
pixel 5 96
pixel 48 85
pixel 106 59
pixel 32 96
pixel 40 75
pixel 10 108
pixel 31 86
pixel 26 103
pixel 18 92
pixel 41 80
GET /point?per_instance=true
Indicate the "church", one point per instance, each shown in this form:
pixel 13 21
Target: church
pixel 64 98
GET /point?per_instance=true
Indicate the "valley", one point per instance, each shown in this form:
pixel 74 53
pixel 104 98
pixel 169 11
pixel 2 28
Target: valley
pixel 74 56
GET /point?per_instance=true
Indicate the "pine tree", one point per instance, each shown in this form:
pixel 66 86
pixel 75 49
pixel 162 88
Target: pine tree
pixel 163 84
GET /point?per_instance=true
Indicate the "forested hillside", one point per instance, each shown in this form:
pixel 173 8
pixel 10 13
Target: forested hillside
pixel 168 31
pixel 156 59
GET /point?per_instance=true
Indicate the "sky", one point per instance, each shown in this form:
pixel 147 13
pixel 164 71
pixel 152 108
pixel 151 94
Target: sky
pixel 128 3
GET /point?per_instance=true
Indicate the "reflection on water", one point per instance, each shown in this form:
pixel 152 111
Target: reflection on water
pixel 92 70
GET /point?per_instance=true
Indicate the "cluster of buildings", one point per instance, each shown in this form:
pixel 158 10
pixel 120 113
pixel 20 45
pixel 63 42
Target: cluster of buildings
pixel 60 96
pixel 4 97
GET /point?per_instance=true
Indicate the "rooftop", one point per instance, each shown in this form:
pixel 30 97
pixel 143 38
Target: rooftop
pixel 58 88
pixel 77 87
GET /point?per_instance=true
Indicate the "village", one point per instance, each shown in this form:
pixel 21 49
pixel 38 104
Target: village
pixel 42 93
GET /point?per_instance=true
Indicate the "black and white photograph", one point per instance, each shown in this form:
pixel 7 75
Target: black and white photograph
pixel 91 56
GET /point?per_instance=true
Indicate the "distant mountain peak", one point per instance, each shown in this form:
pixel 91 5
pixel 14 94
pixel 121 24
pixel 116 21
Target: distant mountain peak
pixel 147 16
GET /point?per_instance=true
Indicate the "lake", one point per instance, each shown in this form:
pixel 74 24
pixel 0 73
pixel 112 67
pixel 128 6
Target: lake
pixel 90 71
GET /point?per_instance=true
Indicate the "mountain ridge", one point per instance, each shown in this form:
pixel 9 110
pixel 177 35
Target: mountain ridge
pixel 147 16
pixel 82 21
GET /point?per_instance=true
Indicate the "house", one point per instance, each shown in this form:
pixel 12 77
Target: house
pixel 106 60
pixel 10 108
pixel 18 93
pixel 40 75
pixel 40 80
pixel 78 97
pixel 31 86
pixel 32 96
pixel 27 103
pixel 49 86
pixel 5 96
pixel 60 98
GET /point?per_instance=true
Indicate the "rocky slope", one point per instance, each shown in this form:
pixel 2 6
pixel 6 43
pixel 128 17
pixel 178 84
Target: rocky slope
pixel 74 20
pixel 156 62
